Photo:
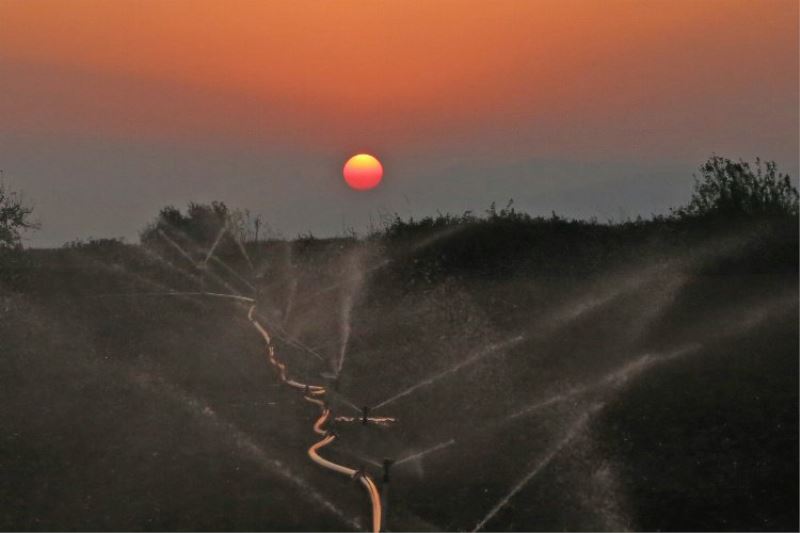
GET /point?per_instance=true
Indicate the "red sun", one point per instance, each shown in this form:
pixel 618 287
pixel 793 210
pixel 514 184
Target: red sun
pixel 363 172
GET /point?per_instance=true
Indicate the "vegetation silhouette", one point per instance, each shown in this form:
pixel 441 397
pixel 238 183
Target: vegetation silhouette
pixel 729 197
pixel 15 217
pixel 729 188
pixel 707 443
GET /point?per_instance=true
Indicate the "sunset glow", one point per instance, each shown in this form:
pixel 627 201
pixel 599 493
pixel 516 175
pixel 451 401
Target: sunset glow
pixel 399 265
pixel 387 71
pixel 555 103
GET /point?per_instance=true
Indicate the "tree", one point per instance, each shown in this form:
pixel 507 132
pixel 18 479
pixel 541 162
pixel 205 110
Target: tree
pixel 200 225
pixel 15 217
pixel 732 188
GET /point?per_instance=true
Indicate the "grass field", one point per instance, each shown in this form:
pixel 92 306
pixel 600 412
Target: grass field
pixel 561 375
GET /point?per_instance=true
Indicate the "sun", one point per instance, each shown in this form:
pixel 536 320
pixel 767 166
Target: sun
pixel 363 172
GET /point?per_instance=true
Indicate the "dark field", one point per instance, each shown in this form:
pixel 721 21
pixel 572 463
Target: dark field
pixel 567 376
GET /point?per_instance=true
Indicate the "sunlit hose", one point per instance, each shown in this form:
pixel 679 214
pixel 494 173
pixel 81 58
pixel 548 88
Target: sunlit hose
pixel 375 497
pixel 312 452
pixel 366 481
pixel 316 401
pixel 314 393
pixel 282 372
pixel 321 421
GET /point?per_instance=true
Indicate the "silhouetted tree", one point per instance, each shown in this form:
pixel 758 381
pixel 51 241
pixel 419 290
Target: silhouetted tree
pixel 200 225
pixel 15 217
pixel 732 188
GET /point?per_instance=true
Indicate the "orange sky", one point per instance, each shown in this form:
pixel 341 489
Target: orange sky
pixel 393 69
pixel 469 81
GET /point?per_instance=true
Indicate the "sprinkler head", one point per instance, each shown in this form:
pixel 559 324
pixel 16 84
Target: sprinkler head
pixel 387 464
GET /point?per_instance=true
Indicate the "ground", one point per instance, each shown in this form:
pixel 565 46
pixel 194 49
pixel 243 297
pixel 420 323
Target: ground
pixel 638 378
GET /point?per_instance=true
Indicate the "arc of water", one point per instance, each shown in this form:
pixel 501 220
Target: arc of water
pixel 573 431
pixel 299 302
pixel 215 244
pixel 242 441
pixel 423 453
pixel 189 258
pixel 560 317
pixel 616 377
pixel 119 268
pixel 346 311
pixel 344 400
pixel 362 458
pixel 243 250
pixel 196 293
pixel 290 300
pixel 288 340
pixel 233 273
pixel 210 255
pixel 486 352
pixel 447 232
pixel 151 254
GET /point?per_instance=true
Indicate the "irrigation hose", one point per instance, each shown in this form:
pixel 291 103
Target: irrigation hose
pixel 375 497
pixel 313 393
pixel 312 453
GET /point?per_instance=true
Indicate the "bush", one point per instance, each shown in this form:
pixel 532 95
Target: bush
pixel 201 224
pixel 733 188
pixel 15 217
pixel 92 244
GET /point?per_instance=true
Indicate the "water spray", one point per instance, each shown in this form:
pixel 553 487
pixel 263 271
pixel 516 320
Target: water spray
pixel 387 465
pixel 316 394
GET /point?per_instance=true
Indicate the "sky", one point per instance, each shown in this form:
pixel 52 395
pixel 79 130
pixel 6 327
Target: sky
pixel 111 110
